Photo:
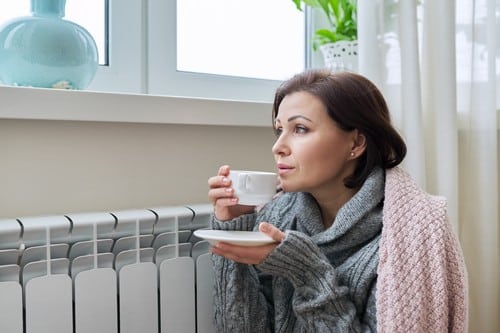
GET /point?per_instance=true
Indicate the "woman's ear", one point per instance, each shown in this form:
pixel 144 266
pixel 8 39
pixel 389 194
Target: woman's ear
pixel 359 144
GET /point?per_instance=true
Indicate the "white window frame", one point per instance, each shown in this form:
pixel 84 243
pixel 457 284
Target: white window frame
pixel 164 78
pixel 125 72
pixel 142 58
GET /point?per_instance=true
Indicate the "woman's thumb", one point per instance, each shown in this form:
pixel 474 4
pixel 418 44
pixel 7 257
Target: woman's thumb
pixel 272 231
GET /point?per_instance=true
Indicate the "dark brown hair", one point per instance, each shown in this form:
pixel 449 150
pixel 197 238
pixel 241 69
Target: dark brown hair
pixel 353 102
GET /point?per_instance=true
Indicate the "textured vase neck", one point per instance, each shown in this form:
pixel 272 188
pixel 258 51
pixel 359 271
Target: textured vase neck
pixel 51 8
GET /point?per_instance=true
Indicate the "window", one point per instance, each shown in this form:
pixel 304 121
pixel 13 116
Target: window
pixel 228 49
pixel 225 49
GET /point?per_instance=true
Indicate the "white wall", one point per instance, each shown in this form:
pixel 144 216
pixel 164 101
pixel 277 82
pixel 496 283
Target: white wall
pixel 64 166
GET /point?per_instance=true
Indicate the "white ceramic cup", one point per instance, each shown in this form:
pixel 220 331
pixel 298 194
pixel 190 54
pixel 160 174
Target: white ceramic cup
pixel 253 187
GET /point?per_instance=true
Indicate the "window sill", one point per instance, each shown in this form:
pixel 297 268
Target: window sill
pixel 51 104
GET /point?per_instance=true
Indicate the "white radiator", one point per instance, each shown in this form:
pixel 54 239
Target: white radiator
pixel 130 271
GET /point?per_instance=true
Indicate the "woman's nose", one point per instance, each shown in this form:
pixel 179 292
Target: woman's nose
pixel 280 147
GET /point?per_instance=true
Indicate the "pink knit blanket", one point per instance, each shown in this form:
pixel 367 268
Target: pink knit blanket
pixel 422 282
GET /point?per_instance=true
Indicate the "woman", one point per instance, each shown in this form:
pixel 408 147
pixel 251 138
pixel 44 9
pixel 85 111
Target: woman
pixel 359 247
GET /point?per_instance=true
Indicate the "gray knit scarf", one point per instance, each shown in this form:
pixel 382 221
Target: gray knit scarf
pixel 297 278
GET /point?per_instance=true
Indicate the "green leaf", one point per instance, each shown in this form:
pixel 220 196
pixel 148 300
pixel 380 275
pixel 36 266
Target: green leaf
pixel 298 4
pixel 341 17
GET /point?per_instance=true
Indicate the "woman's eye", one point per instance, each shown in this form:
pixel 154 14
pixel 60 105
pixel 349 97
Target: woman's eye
pixel 301 129
pixel 278 131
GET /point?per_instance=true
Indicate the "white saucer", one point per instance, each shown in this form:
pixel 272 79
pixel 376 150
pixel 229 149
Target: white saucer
pixel 242 238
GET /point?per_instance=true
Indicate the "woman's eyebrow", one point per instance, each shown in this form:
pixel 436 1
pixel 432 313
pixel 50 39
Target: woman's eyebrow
pixel 277 120
pixel 299 116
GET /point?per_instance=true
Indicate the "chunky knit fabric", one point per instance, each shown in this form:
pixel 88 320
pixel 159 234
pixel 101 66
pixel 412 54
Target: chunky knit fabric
pixel 316 279
pixel 422 285
pixel 326 280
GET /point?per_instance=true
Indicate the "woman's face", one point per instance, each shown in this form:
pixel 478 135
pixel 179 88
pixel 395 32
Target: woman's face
pixel 312 153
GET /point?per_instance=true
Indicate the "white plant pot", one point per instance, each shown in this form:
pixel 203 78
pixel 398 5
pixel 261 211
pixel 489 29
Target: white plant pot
pixel 341 56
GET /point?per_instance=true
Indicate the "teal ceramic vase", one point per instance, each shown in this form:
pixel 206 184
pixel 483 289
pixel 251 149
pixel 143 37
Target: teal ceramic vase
pixel 45 50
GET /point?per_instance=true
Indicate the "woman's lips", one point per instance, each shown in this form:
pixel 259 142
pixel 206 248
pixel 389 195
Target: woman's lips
pixel 284 169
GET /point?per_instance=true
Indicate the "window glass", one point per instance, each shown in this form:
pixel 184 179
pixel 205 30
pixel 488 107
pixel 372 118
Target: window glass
pixel 262 39
pixel 91 14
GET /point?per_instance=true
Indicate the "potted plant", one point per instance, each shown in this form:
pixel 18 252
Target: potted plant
pixel 337 42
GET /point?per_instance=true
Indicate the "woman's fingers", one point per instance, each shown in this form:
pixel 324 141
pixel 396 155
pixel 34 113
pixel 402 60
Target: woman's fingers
pixel 218 181
pixel 220 188
pixel 221 196
pixel 220 192
pixel 250 255
pixel 276 234
pixel 224 170
pixel 221 179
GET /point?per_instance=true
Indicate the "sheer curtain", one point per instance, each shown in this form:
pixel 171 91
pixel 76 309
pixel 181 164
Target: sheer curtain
pixel 437 62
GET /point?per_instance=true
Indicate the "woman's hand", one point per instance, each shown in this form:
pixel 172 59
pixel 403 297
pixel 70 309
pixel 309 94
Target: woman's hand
pixel 221 195
pixel 250 255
